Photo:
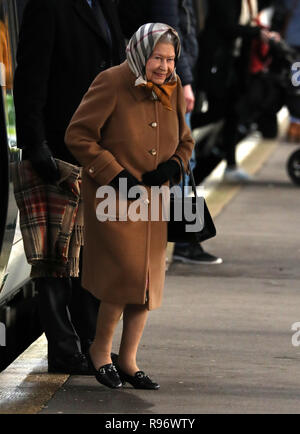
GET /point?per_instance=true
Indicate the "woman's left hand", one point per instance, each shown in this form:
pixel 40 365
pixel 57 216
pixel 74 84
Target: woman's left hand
pixel 164 172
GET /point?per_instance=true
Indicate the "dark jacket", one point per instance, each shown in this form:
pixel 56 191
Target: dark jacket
pixel 61 50
pixel 216 60
pixel 179 14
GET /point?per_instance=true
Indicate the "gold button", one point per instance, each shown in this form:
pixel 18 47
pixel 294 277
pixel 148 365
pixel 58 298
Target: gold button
pixel 153 152
pixel 91 170
pixel 154 124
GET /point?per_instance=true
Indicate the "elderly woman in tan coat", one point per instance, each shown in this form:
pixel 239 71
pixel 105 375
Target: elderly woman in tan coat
pixel 128 128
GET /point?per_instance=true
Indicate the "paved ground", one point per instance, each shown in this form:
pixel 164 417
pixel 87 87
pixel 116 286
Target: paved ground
pixel 222 341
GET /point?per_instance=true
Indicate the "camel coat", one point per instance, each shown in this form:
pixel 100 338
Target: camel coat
pixel 117 126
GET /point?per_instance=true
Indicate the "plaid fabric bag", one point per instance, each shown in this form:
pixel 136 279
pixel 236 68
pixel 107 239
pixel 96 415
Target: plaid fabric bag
pixel 51 219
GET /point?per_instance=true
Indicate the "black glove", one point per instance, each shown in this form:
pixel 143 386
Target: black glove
pixel 164 172
pixel 43 162
pixel 131 181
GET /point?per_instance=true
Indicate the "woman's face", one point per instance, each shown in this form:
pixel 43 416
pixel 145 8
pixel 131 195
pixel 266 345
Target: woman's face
pixel 161 63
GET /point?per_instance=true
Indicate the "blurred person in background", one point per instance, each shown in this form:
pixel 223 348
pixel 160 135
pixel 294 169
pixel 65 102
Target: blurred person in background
pixel 223 69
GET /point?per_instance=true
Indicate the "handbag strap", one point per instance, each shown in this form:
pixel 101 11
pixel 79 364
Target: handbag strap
pixel 183 174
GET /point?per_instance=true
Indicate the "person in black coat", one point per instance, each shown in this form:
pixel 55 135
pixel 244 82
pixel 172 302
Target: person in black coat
pixel 63 45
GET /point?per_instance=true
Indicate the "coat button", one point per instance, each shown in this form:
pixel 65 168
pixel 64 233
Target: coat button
pixel 153 152
pixel 154 124
pixel 91 170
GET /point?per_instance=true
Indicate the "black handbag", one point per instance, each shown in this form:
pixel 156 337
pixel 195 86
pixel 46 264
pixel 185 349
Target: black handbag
pixel 196 224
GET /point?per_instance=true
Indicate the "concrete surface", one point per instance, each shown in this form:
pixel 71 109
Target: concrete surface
pixel 222 341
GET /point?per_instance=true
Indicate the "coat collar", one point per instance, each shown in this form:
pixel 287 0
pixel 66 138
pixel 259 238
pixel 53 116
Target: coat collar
pixel 139 93
pixel 84 11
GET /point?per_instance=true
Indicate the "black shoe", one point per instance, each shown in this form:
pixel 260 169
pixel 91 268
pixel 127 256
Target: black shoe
pixel 139 380
pixel 194 254
pixel 73 365
pixel 106 374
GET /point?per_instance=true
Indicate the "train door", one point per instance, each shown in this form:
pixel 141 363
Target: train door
pixel 19 323
pixel 8 146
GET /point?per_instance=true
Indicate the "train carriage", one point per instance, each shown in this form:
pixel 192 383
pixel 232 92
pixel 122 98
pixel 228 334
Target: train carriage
pixel 19 324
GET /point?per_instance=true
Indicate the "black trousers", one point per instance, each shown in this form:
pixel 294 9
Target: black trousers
pixel 225 108
pixel 68 315
pixel 222 109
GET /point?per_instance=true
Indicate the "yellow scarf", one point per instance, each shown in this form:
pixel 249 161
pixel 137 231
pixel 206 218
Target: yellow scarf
pixel 163 92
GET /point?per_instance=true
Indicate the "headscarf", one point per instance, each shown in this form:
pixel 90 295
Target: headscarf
pixel 140 48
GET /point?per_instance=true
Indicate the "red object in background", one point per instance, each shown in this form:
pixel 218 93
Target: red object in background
pixel 260 58
pixel 260 53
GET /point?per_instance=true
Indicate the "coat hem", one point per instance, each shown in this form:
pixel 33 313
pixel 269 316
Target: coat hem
pixel 124 301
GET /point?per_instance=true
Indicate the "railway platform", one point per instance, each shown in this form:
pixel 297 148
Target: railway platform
pixel 225 339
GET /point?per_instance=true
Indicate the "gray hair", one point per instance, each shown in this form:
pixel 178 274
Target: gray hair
pixel 169 38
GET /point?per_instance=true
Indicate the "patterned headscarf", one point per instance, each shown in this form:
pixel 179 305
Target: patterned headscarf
pixel 140 48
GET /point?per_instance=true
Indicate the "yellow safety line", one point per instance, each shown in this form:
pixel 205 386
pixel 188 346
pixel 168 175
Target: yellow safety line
pixel 25 385
pixel 221 196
